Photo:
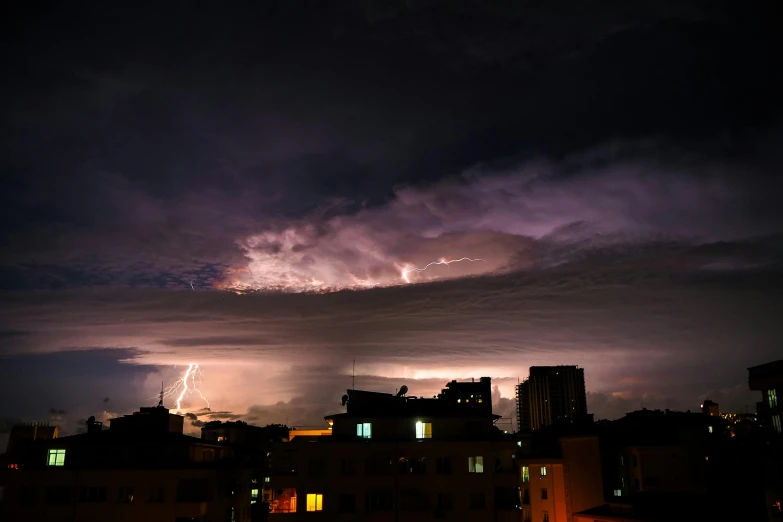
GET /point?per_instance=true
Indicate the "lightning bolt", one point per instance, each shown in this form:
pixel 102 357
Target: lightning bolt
pixel 408 269
pixel 185 386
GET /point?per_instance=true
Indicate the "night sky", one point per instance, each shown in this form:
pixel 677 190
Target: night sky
pixel 247 186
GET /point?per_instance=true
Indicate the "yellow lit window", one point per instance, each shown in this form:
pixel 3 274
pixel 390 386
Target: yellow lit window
pixel 423 430
pixel 253 495
pixel 543 471
pixel 56 457
pixel 525 473
pixel 476 464
pixel 315 502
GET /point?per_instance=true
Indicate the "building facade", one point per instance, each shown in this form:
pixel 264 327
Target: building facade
pixel 549 395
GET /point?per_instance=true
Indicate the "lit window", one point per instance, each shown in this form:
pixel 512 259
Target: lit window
pixel 622 460
pixel 519 443
pixel 253 495
pixel 776 423
pixel 772 397
pixel 56 457
pixel 423 430
pixel 543 471
pixel 618 492
pixel 221 438
pixel 525 473
pixel 476 464
pixel 364 430
pixel 315 502
pixel 267 479
pixel 709 428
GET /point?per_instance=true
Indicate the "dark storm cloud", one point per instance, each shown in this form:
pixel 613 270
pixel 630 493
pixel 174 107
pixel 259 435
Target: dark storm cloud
pixel 56 411
pixel 280 142
pixel 141 153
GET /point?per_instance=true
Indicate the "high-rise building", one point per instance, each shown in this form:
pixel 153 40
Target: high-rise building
pixel 549 395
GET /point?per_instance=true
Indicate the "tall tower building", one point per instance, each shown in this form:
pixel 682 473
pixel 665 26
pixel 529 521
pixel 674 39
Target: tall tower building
pixel 550 394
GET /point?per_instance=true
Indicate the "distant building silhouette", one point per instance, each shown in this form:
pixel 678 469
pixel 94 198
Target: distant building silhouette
pixel 551 394
pixel 768 379
pixel 710 408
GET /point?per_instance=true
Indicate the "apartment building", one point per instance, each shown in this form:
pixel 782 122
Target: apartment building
pixel 397 457
pixel 551 395
pixel 142 468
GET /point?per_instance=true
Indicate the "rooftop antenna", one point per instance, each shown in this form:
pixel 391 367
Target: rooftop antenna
pixel 160 402
pixel 353 376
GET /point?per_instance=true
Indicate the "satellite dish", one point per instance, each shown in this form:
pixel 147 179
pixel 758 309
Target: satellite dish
pixel 344 400
pixel 403 391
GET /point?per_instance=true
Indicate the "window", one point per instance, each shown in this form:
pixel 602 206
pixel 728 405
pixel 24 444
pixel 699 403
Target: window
pixel 543 471
pixel 379 500
pixel 525 473
pixel 253 495
pixel 157 494
pixel 413 466
pixel 544 494
pixel 347 503
pixel 315 502
pixel 58 495
pixel 443 466
pixel 709 429
pixel 221 438
pixel 56 457
pixel 476 464
pixel 413 500
pixel 267 479
pixel 526 496
pixel 477 501
pixel 125 495
pixel 622 461
pixel 92 494
pixel 423 430
pixel 445 501
pixel 776 423
pixel 545 517
pixel 618 492
pixel 364 430
pixel 772 398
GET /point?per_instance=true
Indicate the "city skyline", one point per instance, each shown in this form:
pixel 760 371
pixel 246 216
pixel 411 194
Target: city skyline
pixel 431 190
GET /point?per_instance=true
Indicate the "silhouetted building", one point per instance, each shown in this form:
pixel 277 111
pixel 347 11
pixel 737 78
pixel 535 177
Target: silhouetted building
pixel 243 434
pixel 768 379
pixel 551 394
pixel 141 468
pixel 25 433
pixel 710 408
pixel 398 457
